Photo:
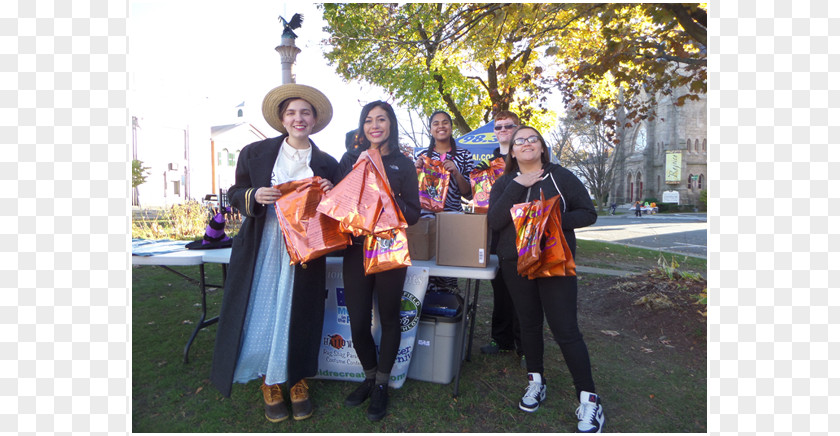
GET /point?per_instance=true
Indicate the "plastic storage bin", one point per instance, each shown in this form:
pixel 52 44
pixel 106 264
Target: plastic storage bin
pixel 437 350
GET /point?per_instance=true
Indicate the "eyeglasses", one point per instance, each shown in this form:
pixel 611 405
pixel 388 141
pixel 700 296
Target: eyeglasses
pixel 532 139
pixel 504 126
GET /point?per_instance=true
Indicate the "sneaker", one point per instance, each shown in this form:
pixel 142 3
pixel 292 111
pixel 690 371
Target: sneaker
pixel 301 406
pixel 590 413
pixel 493 348
pixel 360 394
pixel 378 402
pixel 275 408
pixel 535 394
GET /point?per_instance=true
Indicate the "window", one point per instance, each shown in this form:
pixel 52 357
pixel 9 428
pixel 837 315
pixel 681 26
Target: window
pixel 688 145
pixel 700 181
pixel 691 181
pixel 641 138
pixel 704 145
pixel 239 113
pixel 697 146
pixel 231 160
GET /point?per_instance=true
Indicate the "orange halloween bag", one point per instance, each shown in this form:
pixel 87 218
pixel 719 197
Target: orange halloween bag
pixel 556 257
pixel 386 250
pixel 355 201
pixel 308 233
pixel 542 247
pixel 433 181
pixel 482 181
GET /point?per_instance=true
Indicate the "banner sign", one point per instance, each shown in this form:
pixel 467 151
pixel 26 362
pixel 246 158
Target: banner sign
pixel 337 359
pixel 480 142
pixel 673 166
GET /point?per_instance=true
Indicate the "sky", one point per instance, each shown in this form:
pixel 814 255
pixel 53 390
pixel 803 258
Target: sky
pixel 193 62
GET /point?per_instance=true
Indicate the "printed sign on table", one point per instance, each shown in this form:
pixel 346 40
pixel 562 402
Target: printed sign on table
pixel 337 359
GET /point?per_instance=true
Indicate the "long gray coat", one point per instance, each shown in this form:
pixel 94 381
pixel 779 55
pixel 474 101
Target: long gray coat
pixel 253 170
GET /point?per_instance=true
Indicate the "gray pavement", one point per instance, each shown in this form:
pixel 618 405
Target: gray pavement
pixel 685 233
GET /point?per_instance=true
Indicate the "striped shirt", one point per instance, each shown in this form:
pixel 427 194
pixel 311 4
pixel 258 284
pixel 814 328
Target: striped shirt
pixel 464 162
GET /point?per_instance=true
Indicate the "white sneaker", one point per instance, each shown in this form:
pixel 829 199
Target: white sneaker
pixel 590 413
pixel 534 395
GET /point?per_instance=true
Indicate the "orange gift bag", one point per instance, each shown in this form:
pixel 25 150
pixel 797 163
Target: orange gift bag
pixel 433 182
pixel 482 181
pixel 385 251
pixel 543 250
pixel 308 233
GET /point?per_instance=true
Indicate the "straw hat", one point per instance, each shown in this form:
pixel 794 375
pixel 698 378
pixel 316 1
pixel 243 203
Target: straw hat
pixel 272 101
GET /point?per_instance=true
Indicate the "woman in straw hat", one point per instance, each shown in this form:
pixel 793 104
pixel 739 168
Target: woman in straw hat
pixel 377 130
pixel 272 313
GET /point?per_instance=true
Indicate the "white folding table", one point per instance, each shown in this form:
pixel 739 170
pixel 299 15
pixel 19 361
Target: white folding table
pixel 186 258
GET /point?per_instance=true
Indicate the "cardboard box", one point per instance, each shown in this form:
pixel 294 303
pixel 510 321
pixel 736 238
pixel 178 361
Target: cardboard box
pixel 462 239
pixel 422 239
pixel 437 350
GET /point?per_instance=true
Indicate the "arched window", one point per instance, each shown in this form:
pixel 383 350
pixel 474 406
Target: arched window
pixel 629 187
pixel 690 181
pixel 697 146
pixel 700 181
pixel 239 113
pixel 641 138
pixel 688 145
pixel 704 145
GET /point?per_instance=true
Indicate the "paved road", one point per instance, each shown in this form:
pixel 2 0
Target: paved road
pixel 677 233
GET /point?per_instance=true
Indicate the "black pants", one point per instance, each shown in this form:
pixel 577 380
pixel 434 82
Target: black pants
pixel 504 325
pixel 556 298
pixel 358 295
pixel 638 212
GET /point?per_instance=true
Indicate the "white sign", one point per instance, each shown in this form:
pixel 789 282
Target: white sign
pixel 338 359
pixel 671 197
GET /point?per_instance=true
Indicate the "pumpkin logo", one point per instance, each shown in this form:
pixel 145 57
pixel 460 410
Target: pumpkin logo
pixel 337 342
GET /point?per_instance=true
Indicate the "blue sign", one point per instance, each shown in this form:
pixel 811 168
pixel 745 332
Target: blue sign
pixel 480 142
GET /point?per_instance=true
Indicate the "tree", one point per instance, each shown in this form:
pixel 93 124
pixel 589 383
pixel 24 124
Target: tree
pixel 471 59
pixel 643 50
pixel 477 59
pixel 138 173
pixel 585 148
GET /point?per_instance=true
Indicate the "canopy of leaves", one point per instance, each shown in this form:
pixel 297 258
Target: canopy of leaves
pixel 476 59
pixel 469 59
pixel 627 55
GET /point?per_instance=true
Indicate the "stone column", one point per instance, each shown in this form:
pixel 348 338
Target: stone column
pixel 288 52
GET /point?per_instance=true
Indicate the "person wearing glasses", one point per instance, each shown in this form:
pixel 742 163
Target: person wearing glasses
pixel 459 162
pixel 504 325
pixel 528 170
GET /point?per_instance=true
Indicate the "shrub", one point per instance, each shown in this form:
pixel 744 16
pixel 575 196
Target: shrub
pixel 186 221
pixel 703 200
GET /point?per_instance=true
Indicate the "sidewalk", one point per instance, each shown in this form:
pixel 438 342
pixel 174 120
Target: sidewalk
pixel 603 271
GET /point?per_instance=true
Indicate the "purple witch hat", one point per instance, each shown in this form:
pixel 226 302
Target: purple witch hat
pixel 214 235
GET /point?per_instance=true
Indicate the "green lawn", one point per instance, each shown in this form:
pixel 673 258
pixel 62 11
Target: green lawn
pixel 666 394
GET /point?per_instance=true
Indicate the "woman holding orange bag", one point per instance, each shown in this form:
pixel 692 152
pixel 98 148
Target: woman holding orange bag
pixel 377 131
pixel 528 171
pixel 259 333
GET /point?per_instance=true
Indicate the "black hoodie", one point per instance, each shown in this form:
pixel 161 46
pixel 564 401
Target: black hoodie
pixel 576 207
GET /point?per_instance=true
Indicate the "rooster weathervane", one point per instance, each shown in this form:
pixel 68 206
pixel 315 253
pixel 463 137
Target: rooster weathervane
pixel 294 23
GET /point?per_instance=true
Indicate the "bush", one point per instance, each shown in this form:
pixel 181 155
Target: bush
pixel 703 200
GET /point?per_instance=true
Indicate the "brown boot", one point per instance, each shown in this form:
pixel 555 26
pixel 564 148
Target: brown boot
pixel 275 408
pixel 301 406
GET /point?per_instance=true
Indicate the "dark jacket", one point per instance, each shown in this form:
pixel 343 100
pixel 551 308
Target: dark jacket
pixel 579 211
pixel 402 176
pixel 253 170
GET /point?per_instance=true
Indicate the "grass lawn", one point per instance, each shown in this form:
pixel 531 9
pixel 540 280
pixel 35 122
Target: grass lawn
pixel 664 391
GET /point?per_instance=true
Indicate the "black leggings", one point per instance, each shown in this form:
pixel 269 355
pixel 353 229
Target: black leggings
pixel 358 295
pixel 556 298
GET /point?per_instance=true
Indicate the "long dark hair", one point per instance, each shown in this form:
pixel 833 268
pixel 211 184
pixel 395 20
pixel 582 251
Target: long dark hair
pixel 452 141
pixel 511 165
pixel 362 142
